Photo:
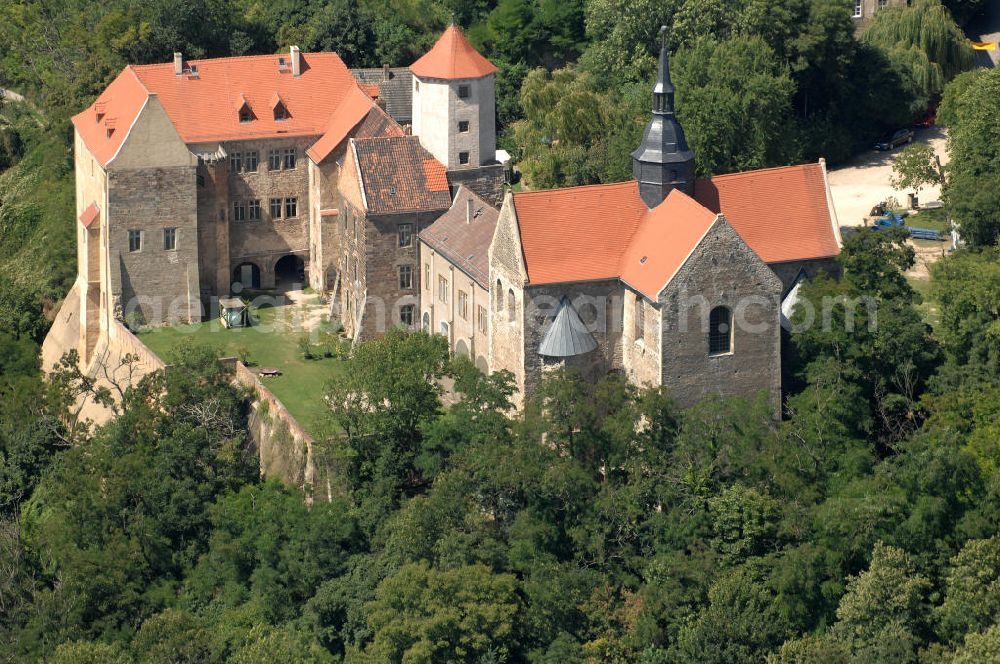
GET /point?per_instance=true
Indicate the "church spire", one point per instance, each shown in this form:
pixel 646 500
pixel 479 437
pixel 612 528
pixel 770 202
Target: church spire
pixel 663 161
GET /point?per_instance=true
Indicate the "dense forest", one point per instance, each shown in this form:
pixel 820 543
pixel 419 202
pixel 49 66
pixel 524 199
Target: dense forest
pixel 602 523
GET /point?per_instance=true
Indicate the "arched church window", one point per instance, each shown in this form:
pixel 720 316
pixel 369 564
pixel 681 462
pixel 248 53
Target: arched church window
pixel 499 295
pixel 511 305
pixel 720 331
pixel 640 319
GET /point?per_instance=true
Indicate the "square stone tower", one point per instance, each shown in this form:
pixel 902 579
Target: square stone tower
pixel 454 103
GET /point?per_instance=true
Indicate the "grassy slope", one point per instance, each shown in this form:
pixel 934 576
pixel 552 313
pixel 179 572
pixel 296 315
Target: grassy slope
pixel 269 344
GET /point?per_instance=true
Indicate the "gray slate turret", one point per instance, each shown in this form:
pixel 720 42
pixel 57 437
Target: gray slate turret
pixel 663 161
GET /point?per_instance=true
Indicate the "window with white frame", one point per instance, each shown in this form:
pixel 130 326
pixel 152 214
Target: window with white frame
pixel 273 160
pixel 857 8
pixel 169 239
pixel 443 289
pixel 250 162
pixel 134 240
pixel 463 304
pixel 239 211
pixel 483 320
pixel 236 162
pixel 291 207
pixel 253 210
pixel 720 331
pixel 290 156
pixel 406 315
pixel 406 235
pixel 275 208
pixel 406 277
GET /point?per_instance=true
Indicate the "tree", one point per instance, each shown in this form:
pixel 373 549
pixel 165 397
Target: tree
pixel 915 167
pixel 972 596
pixel 928 25
pixel 735 102
pixel 421 614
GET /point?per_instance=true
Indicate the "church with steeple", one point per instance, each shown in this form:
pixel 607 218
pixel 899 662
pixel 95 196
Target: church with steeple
pixel 669 279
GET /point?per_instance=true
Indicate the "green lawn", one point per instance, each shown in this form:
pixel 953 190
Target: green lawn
pixel 933 219
pixel 928 308
pixel 272 342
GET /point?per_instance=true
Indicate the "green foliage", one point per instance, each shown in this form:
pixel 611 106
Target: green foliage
pixel 424 615
pixel 972 596
pixel 915 167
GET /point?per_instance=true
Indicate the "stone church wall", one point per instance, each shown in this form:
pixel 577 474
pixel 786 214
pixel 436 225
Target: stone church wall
pixel 723 270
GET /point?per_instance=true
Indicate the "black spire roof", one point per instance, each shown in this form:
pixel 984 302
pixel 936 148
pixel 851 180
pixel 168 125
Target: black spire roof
pixel 663 161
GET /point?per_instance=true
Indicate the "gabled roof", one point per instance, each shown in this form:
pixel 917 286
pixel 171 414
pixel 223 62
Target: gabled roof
pixel 663 242
pixel 200 106
pixel 464 243
pixel 452 57
pixel 395 88
pixel 567 336
pixel 116 109
pixel 88 216
pixel 782 213
pixel 399 175
pixel 577 233
pixel 205 107
pixel 355 108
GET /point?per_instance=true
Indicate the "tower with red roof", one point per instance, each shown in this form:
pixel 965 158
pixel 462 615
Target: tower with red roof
pixel 454 103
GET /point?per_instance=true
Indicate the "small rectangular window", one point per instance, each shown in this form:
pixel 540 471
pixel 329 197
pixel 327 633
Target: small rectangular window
pixel 406 235
pixel 857 8
pixel 427 276
pixel 250 163
pixel 291 207
pixel 135 241
pixel 463 305
pixel 236 162
pixel 253 208
pixel 290 158
pixel 463 92
pixel 442 289
pixel 275 208
pixel 239 211
pixel 169 239
pixel 406 277
pixel 406 315
pixel 273 160
pixel 463 157
pixel 463 126
pixel 483 321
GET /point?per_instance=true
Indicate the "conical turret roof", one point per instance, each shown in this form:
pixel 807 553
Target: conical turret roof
pixel 453 57
pixel 567 336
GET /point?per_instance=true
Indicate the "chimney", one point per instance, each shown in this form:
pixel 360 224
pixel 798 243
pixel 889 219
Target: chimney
pixel 296 60
pixel 469 213
pixel 385 72
pixel 178 64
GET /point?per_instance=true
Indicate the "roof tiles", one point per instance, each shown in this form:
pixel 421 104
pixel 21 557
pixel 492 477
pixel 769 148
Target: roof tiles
pixel 453 57
pixel 782 213
pixel 395 178
pixel 464 243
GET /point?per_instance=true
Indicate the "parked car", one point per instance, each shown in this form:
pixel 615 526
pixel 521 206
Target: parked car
pixel 894 140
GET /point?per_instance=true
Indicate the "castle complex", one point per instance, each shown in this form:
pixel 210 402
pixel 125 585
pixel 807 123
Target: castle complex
pixel 381 189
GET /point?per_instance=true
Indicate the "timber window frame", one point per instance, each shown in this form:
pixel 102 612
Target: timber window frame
pixel 720 331
pixel 134 241
pixel 170 239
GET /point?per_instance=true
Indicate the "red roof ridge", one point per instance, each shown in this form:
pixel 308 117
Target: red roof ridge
pixel 758 171
pixel 229 58
pixel 559 190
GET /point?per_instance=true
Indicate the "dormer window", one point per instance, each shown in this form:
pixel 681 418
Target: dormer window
pixel 109 127
pixel 279 108
pixel 99 111
pixel 244 110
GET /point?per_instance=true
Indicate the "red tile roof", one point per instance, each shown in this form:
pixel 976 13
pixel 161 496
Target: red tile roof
pixel 603 231
pixel 465 244
pixel 452 57
pixel 88 216
pixel 662 243
pixel 355 107
pixel 394 177
pixel 123 98
pixel 205 107
pixel 782 213
pixel 577 233
pixel 436 174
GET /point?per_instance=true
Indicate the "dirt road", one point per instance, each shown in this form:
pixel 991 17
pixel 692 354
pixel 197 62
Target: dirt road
pixel 864 181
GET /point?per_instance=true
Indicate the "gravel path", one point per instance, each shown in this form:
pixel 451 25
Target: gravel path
pixel 860 184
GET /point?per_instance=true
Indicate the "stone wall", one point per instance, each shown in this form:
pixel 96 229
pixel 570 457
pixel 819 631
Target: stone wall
pixel 507 275
pixel 641 352
pixel 161 285
pixel 724 271
pixel 788 271
pixel 487 181
pixel 266 241
pixel 287 452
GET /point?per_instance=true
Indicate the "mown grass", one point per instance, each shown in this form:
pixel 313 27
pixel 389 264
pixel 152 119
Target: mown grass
pixel 928 308
pixel 272 342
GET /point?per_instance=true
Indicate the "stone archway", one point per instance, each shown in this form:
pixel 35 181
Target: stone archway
pixel 482 364
pixel 289 272
pixel 245 275
pixel 462 348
